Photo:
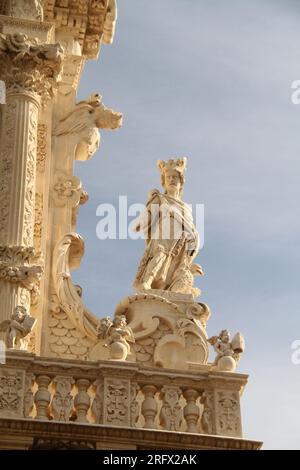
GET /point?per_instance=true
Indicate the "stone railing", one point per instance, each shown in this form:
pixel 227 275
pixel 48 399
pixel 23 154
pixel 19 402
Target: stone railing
pixel 120 394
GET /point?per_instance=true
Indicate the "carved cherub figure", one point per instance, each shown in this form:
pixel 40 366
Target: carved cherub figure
pixel 17 328
pixel 103 327
pixel 226 348
pixel 119 335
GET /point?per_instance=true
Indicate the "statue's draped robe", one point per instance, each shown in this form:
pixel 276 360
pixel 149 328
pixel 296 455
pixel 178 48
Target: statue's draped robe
pixel 171 238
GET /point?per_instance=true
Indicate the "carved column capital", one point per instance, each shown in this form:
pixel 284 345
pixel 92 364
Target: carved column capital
pixel 21 265
pixel 29 66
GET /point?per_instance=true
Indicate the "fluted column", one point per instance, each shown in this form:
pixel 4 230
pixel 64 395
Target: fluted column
pixel 30 71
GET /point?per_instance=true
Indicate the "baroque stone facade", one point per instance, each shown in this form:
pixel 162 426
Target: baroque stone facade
pixel 144 369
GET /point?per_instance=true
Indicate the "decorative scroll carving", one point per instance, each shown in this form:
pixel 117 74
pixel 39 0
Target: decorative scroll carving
pixel 164 337
pixel 28 65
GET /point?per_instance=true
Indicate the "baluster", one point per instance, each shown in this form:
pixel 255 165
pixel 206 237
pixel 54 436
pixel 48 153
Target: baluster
pixel 191 411
pixel 82 400
pixel 42 397
pixel 149 406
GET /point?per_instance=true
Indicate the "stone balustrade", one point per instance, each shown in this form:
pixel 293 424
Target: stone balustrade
pixel 120 394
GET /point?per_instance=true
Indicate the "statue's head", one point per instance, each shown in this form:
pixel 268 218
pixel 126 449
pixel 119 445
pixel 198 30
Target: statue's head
pixel 224 336
pixel 120 321
pixel 172 174
pixel 19 313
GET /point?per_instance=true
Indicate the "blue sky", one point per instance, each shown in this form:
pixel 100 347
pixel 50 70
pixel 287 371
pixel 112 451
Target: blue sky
pixel 210 80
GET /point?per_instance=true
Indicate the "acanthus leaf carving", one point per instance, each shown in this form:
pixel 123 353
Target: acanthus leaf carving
pixel 26 64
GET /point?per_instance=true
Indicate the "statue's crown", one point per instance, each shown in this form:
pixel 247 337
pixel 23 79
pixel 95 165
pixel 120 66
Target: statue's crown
pixel 179 165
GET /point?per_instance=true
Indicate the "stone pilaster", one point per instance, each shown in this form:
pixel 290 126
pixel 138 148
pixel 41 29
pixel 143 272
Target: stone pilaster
pixel 30 71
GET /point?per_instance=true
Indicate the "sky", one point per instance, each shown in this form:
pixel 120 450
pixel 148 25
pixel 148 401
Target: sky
pixel 210 80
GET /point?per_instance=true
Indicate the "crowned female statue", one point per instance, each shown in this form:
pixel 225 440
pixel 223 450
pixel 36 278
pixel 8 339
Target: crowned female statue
pixel 172 241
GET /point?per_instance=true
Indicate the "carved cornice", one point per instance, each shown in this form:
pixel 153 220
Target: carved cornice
pixel 27 65
pixel 141 438
pixel 29 9
pixel 90 21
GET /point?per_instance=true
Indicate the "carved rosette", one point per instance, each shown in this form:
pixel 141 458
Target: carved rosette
pixel 67 191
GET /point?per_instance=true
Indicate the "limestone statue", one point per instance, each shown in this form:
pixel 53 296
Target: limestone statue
pixel 172 240
pixel 83 123
pixel 118 335
pixel 228 352
pixel 17 328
